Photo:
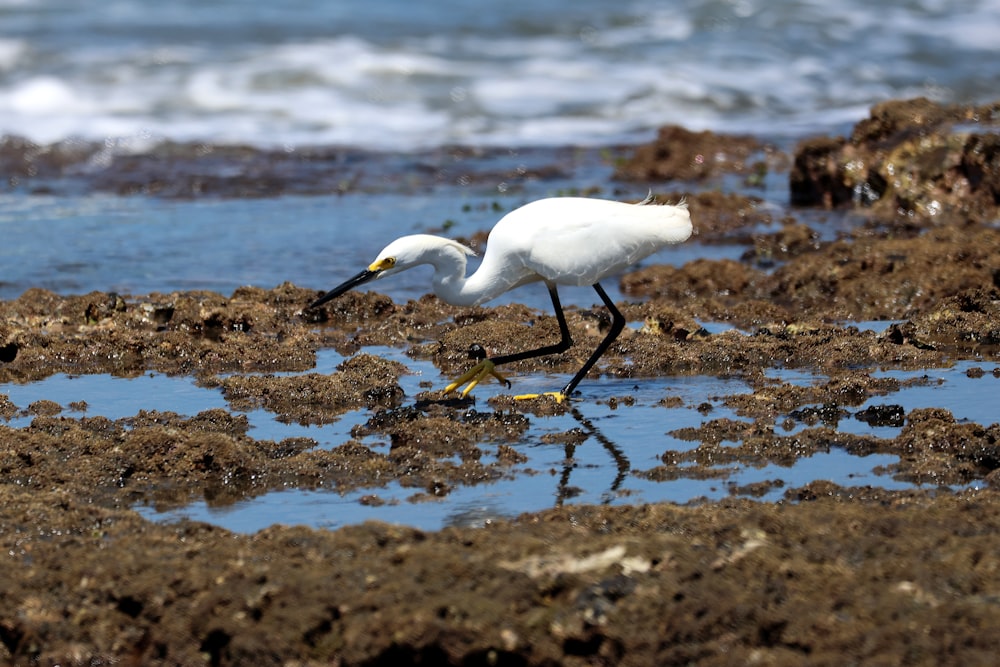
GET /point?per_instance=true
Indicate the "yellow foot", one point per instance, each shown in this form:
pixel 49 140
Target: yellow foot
pixel 475 375
pixel 558 395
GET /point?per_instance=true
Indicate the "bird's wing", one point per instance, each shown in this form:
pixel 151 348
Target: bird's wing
pixel 582 241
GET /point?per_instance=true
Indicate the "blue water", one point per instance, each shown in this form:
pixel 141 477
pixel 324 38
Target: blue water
pixel 605 468
pixel 403 74
pixel 139 245
pixel 637 434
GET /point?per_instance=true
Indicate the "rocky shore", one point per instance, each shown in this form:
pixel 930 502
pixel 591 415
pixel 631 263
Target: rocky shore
pixel 829 575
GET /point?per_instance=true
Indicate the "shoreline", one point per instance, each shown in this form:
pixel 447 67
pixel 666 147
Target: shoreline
pixel 828 574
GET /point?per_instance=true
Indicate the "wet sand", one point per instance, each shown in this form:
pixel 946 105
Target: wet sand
pixel 829 575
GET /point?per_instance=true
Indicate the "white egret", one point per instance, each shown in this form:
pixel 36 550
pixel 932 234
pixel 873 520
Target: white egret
pixel 558 241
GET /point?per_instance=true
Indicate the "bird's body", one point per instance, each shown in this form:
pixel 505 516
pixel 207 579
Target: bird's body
pixel 558 241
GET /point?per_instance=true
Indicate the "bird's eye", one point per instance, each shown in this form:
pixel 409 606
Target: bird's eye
pixel 383 264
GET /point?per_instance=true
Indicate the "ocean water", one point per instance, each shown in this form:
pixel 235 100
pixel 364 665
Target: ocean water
pixel 410 75
pixel 140 245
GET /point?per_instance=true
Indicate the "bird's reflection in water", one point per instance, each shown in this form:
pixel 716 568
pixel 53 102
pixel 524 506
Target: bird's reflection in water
pixel 479 513
pixel 564 491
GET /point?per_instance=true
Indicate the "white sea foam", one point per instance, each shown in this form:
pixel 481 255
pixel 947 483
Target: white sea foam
pixel 11 53
pixel 562 74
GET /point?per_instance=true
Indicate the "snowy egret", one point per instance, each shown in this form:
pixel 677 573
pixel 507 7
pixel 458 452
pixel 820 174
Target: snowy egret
pixel 558 241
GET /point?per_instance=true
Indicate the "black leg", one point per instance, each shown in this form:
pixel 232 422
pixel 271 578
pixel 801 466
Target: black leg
pixel 486 366
pixel 617 324
pixel 564 344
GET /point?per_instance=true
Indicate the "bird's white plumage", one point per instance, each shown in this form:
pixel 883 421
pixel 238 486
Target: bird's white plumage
pixel 560 240
pixel 579 241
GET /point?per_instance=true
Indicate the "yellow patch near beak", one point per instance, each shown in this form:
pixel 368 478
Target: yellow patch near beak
pixel 383 264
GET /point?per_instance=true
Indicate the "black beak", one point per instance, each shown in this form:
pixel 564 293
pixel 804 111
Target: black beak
pixel 359 279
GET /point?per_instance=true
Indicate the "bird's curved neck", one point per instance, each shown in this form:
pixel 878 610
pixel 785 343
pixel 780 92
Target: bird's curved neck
pixel 452 286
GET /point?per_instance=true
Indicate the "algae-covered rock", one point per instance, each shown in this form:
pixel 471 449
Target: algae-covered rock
pixel 912 159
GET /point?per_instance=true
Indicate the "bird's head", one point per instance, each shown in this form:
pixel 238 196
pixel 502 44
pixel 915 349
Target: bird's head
pixel 403 253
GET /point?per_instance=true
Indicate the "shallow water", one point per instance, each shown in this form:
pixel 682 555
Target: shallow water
pixel 140 245
pixel 966 397
pixel 621 441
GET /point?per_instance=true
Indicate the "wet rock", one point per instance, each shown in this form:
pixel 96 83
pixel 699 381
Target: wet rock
pixel 22 160
pixel 914 161
pixel 364 380
pixel 198 170
pixel 699 278
pixel 7 409
pixel 866 278
pixel 45 408
pixel 722 216
pixel 790 241
pixel 8 352
pixel 828 414
pixel 679 154
pixel 191 332
pixel 881 415
pixel 969 319
pixel 935 449
pixel 817 177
